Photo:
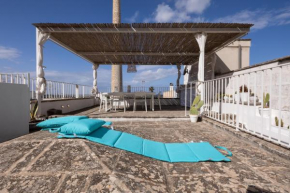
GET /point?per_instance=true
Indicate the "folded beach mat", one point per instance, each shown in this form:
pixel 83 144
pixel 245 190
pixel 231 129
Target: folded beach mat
pixel 97 131
pixel 169 152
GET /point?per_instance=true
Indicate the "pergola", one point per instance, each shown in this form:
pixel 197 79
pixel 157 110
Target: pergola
pixel 138 43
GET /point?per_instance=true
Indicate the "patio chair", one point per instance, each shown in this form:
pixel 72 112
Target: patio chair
pixel 118 97
pixel 140 97
pixel 102 101
pixel 159 96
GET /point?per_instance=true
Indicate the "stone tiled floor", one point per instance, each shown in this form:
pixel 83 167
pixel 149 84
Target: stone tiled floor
pixel 167 112
pixel 39 162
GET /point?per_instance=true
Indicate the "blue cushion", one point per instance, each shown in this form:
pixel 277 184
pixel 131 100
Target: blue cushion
pixel 180 152
pixel 130 143
pixel 60 121
pixel 206 152
pixel 104 136
pixel 81 127
pixel 156 150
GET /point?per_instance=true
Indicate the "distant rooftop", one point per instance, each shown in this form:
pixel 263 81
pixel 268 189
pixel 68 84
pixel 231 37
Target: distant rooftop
pixel 260 64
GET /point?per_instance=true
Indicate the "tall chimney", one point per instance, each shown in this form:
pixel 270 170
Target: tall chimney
pixel 117 75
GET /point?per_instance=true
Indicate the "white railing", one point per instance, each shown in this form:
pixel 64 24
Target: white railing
pixel 54 89
pixel 240 101
pixel 62 90
pixel 15 78
pixel 166 92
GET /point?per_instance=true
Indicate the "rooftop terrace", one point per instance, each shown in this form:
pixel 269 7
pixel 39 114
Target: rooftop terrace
pixel 39 162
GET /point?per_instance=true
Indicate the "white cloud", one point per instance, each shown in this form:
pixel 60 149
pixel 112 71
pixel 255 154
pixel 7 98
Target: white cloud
pixel 192 6
pixel 164 13
pixel 7 53
pixel 82 78
pixel 260 18
pixel 186 10
pixel 133 18
pixel 181 12
pixel 153 75
pixel 148 67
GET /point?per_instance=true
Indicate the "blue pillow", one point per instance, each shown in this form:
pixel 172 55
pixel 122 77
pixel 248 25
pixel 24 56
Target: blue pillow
pixel 60 121
pixel 81 127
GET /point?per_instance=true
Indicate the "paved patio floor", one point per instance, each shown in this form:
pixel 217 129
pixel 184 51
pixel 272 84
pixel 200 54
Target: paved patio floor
pixel 39 162
pixel 167 112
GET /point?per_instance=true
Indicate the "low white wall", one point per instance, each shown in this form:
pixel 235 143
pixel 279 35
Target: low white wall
pixel 14 111
pixel 68 105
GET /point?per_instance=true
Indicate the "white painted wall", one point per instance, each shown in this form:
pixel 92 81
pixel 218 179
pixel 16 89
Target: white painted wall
pixel 14 111
pixel 67 105
pixel 231 57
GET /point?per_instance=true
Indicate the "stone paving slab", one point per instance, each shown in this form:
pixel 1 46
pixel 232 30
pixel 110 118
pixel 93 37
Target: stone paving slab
pixel 167 112
pixel 39 162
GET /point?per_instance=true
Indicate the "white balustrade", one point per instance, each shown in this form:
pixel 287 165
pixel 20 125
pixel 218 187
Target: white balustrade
pixel 166 92
pixel 237 101
pixel 54 89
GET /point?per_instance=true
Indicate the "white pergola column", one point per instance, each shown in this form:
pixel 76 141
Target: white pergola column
pixel 95 75
pixel 178 77
pixel 41 38
pixel 201 40
pixel 213 61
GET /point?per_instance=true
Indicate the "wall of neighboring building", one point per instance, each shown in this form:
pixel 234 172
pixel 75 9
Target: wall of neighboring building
pixel 14 111
pixel 67 105
pixel 233 57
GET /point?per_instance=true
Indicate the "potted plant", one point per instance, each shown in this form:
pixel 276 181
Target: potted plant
pixel 252 97
pixel 277 122
pixel 284 131
pixel 151 89
pixel 194 109
pixel 264 110
pixel 244 93
pixel 228 97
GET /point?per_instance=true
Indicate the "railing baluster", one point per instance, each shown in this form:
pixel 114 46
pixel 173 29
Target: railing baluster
pixel 238 104
pixel 270 107
pixel 262 116
pixel 249 95
pixel 185 102
pixel 280 104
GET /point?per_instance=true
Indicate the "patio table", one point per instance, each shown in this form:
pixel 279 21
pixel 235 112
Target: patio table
pixel 131 95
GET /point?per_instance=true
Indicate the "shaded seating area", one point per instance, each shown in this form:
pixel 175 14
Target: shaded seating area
pixel 139 44
pixel 117 100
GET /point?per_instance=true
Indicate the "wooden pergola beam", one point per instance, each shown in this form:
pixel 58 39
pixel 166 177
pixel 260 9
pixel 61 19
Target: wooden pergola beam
pixel 142 63
pixel 141 30
pixel 136 54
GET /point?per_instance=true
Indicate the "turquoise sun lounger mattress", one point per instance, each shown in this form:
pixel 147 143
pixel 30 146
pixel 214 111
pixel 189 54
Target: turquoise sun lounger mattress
pixel 169 152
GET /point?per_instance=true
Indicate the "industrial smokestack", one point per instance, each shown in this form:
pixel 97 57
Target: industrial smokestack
pixel 117 74
pixel 116 11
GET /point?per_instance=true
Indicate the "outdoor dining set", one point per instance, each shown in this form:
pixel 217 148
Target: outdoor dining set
pixel 117 100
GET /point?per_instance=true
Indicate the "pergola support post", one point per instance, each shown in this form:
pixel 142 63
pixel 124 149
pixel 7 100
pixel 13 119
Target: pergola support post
pixel 95 75
pixel 201 40
pixel 77 91
pixel 41 38
pixel 178 78
pixel 213 62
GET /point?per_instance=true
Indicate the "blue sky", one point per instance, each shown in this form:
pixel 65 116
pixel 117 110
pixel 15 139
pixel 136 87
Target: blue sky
pixel 270 35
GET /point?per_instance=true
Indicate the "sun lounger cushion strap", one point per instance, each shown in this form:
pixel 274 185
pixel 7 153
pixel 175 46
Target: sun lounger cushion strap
pixel 225 149
pixel 54 130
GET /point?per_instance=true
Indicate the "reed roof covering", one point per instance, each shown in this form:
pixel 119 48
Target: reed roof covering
pixel 142 43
